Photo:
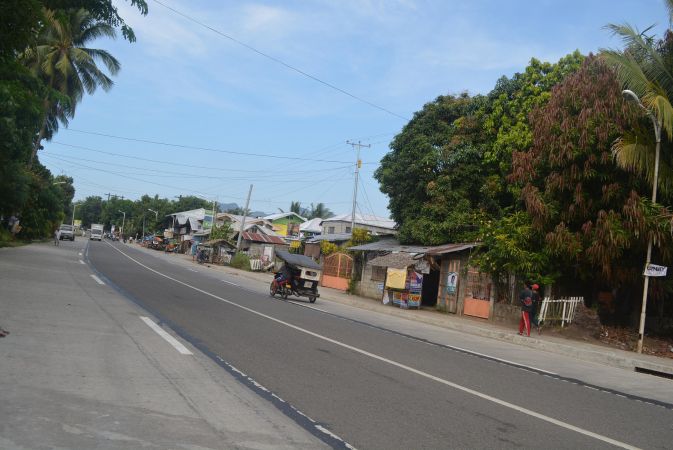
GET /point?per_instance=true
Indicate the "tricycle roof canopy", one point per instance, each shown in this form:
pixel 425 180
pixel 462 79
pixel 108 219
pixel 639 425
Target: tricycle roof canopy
pixel 297 260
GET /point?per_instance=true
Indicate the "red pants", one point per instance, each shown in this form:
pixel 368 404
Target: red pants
pixel 524 322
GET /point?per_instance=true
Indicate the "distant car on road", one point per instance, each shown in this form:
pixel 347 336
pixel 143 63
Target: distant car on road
pixel 67 232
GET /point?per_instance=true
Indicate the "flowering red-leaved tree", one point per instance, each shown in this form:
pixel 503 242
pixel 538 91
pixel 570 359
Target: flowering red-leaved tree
pixel 593 213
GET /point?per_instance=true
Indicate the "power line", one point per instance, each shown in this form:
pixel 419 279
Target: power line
pixel 139 158
pixel 281 62
pixel 371 208
pixel 206 149
pixel 69 158
pixel 173 186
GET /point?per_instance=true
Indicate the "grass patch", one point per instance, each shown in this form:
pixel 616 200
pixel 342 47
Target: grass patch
pixel 240 261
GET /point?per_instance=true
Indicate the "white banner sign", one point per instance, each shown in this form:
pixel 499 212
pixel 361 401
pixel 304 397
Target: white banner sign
pixel 652 270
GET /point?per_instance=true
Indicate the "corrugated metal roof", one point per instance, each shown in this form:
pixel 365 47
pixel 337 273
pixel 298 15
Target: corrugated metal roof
pixel 277 216
pixel 336 237
pixel 364 219
pixel 449 248
pixel 395 260
pixel 391 245
pixel 312 226
pixel 259 237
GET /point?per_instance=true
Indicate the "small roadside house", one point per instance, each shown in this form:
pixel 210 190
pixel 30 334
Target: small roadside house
pixel 377 226
pixel 286 224
pixel 462 288
pixel 261 243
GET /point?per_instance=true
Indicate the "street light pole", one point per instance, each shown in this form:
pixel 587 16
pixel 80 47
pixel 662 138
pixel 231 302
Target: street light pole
pixel 156 216
pixel 631 96
pixel 123 222
pixel 72 222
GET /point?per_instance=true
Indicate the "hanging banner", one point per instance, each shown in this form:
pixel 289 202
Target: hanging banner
pixel 652 270
pixel 396 278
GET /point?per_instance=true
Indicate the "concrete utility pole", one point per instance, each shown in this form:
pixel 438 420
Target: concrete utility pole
pixel 123 223
pixel 245 213
pixel 358 164
pixel 632 97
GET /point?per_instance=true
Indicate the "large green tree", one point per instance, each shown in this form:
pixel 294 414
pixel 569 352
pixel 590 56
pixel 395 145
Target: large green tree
pixel 66 66
pixel 420 173
pixel 19 122
pixel 591 212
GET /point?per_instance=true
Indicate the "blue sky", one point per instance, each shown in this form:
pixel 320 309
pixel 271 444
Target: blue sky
pixel 183 84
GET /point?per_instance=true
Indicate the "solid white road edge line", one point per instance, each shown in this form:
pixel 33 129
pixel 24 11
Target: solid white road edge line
pixel 467 390
pixel 98 280
pixel 170 339
pixel 469 352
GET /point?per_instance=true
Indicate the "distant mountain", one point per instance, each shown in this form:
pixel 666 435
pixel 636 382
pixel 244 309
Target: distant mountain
pixel 228 206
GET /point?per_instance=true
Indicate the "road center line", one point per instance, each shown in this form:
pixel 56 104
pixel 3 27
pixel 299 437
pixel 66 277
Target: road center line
pixel 452 347
pixel 229 282
pixel 98 280
pixel 459 387
pixel 81 262
pixel 170 339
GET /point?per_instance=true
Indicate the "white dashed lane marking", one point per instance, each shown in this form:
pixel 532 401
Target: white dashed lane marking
pixel 167 337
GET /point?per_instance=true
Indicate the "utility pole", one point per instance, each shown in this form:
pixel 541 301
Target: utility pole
pixel 358 164
pixel 245 213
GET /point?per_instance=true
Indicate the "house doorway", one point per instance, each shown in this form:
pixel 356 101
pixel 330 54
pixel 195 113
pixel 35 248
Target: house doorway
pixel 430 288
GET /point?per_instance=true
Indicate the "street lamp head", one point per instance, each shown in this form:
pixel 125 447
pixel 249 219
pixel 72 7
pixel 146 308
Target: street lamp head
pixel 630 96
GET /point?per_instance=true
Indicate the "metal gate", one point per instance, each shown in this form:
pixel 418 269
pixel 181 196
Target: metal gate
pixel 337 269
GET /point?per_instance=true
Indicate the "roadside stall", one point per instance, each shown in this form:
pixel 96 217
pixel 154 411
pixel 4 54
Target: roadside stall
pixel 403 284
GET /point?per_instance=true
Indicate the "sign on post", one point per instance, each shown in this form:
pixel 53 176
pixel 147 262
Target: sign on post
pixel 652 270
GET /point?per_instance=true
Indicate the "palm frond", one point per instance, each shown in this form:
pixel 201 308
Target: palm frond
pixel 112 64
pixel 636 155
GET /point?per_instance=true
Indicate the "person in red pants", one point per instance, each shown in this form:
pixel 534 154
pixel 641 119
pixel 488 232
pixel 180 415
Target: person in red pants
pixel 526 300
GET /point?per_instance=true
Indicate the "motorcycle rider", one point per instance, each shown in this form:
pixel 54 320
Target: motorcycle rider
pixel 285 274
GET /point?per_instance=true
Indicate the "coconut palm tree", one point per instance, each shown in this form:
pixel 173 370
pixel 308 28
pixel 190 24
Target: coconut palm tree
pixel 645 67
pixel 320 210
pixel 67 67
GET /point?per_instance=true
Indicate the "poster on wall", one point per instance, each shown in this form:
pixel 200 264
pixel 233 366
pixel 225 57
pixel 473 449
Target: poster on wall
pixel 451 282
pixel 415 282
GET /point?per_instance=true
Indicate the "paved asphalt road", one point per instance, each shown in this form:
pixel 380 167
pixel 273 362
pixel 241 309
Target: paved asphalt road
pixel 372 387
pixel 82 369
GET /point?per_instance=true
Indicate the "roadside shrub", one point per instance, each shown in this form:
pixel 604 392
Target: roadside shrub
pixel 240 261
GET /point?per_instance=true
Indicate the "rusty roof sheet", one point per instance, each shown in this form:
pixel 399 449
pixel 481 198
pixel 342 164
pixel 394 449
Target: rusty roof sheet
pixel 449 248
pixel 259 237
pixel 399 260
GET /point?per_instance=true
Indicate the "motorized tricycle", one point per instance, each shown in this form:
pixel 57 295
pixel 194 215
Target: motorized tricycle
pixel 299 276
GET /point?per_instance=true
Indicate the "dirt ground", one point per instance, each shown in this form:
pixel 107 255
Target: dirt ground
pixel 586 327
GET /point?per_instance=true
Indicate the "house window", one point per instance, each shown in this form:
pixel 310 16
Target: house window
pixel 378 273
pixel 330 230
pixel 348 229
